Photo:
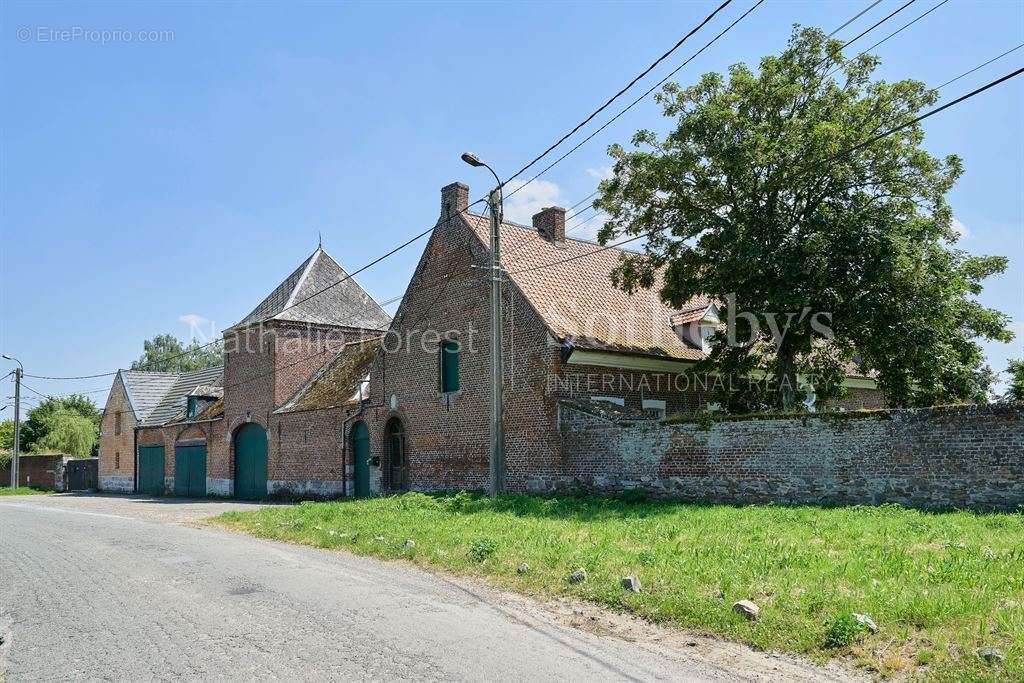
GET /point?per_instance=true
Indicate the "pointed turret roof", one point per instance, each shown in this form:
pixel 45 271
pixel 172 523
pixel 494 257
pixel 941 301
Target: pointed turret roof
pixel 320 291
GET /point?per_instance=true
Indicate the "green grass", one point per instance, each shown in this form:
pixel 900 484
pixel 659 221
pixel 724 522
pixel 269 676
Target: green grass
pixel 21 491
pixel 939 585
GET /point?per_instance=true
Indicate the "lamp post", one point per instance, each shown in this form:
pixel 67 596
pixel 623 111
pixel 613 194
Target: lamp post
pixel 18 371
pixel 495 200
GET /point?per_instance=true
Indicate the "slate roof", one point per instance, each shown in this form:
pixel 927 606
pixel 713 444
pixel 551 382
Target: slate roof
pixel 146 389
pixel 341 381
pixel 345 303
pixel 157 397
pixel 576 298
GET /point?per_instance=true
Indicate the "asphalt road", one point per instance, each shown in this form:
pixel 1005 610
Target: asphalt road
pixel 120 588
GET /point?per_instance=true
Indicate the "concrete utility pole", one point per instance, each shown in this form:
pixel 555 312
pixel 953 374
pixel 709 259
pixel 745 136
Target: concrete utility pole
pixel 17 420
pixel 495 201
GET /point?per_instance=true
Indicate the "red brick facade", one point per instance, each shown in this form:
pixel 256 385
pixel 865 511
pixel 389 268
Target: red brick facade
pixel 117 441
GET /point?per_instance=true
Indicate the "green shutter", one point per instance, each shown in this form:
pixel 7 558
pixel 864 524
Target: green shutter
pixel 449 366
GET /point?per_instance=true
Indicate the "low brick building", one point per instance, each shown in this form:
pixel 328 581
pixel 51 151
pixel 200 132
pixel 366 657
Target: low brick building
pixel 270 421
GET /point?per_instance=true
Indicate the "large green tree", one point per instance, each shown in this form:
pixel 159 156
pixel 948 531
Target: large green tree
pixel 165 353
pixel 754 196
pixel 67 432
pixel 55 413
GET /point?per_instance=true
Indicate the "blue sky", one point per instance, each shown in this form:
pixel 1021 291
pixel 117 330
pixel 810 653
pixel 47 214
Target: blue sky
pixel 147 182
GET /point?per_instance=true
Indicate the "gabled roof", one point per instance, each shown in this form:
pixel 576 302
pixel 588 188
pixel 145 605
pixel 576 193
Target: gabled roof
pixel 341 381
pixel 576 299
pixel 321 292
pixel 156 397
pixel 146 389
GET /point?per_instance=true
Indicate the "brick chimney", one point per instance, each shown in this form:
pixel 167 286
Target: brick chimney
pixel 454 198
pixel 550 223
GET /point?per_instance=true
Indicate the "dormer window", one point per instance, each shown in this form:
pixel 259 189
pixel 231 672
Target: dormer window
pixel 697 326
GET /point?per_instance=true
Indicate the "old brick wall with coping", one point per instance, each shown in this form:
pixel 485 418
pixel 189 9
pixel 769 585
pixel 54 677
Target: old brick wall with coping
pixel 945 457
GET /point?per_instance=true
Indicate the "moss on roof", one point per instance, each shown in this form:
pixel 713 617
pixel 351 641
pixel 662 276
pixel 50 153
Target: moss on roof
pixel 339 382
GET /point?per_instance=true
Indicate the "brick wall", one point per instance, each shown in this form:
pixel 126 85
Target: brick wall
pixel 116 444
pixel 37 471
pixel 448 435
pixel 960 456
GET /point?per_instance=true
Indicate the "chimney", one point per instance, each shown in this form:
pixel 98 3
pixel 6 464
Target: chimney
pixel 550 223
pixel 454 198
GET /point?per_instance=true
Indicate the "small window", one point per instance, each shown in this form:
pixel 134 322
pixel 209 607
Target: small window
pixel 654 407
pixel 117 423
pixel 617 400
pixel 449 366
pixel 190 407
pixel 117 460
pixel 706 333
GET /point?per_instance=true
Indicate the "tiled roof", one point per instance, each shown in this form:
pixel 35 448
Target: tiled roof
pixel 341 381
pixel 146 389
pixel 345 303
pixel 576 298
pixel 173 400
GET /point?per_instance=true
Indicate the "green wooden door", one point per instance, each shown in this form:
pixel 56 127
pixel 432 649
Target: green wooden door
pixel 151 470
pixel 190 470
pixel 361 458
pixel 251 462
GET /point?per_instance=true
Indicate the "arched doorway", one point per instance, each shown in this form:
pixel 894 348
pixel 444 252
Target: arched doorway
pixel 396 473
pixel 361 458
pixel 251 462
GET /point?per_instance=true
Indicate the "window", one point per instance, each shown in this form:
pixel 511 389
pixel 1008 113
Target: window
pixel 190 407
pixel 654 408
pixel 117 460
pixel 117 423
pixel 706 333
pixel 449 366
pixel 610 399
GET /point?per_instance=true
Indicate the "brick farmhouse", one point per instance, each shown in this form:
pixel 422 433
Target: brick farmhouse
pixel 321 393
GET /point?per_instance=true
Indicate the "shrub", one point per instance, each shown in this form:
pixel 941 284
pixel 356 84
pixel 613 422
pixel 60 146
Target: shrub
pixel 482 548
pixel 842 630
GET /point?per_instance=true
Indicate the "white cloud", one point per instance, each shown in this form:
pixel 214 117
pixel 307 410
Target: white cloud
pixel 193 319
pixel 600 173
pixel 199 327
pixel 960 229
pixel 539 194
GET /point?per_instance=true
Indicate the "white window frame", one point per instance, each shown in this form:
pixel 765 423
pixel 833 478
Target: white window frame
pixel 655 404
pixel 617 400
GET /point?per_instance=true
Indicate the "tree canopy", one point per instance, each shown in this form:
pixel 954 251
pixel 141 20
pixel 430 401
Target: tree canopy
pixel 68 425
pixel 759 194
pixel 165 353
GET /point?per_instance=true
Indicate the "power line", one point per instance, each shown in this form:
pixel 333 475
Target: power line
pixel 894 33
pixel 616 96
pixel 425 232
pixel 851 150
pixel 634 103
pixel 855 17
pixel 968 73
pixel 880 22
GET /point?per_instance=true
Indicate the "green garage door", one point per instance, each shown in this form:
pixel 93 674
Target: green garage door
pixel 151 470
pixel 251 462
pixel 190 470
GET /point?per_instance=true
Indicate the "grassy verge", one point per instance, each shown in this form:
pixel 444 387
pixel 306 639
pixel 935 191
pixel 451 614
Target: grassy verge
pixel 939 586
pixel 21 491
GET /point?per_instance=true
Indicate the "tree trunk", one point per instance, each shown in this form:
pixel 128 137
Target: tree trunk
pixel 787 378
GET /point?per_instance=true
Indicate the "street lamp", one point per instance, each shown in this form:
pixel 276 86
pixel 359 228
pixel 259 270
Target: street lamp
pixel 17 419
pixel 495 200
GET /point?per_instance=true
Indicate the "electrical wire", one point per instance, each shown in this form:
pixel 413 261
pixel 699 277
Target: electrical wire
pixel 616 96
pixel 846 152
pixel 855 17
